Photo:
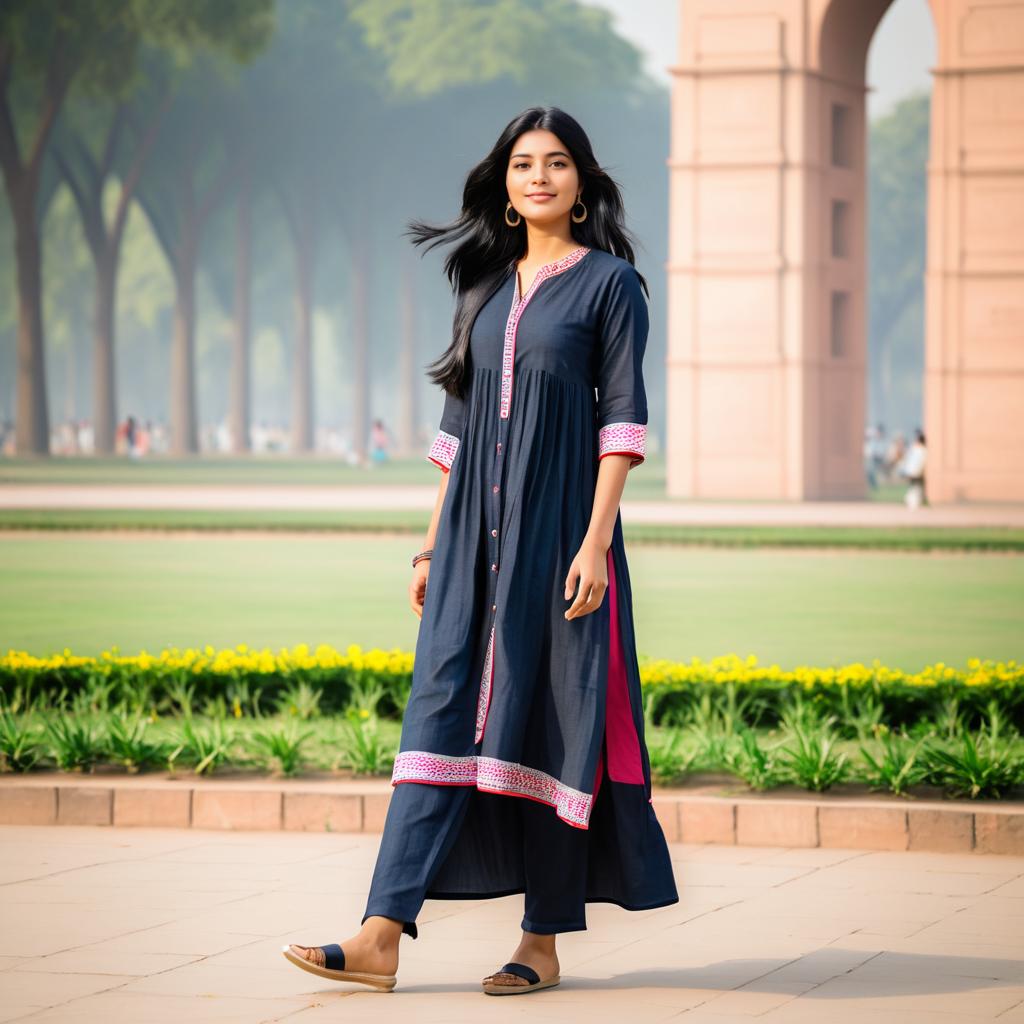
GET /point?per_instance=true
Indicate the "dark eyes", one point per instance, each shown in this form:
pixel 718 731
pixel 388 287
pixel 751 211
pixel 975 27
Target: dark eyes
pixel 523 163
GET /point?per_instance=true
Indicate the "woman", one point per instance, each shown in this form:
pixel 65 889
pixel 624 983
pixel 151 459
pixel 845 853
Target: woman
pixel 525 679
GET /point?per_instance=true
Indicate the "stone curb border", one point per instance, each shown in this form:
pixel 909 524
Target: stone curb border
pixel 837 823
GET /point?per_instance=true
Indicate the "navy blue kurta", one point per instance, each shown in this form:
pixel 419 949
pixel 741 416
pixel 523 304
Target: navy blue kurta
pixel 509 697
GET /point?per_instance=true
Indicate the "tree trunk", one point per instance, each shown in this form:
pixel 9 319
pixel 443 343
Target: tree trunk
pixel 240 393
pixel 21 180
pixel 885 381
pixel 360 377
pixel 70 375
pixel 302 354
pixel 32 420
pixel 104 376
pixel 184 428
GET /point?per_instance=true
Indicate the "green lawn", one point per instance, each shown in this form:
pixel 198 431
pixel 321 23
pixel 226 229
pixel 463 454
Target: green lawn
pixel 415 522
pixel 91 592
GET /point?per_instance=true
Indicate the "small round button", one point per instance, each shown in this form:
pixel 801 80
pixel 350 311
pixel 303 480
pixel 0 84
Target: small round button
pixel 495 488
pixel 494 607
pixel 499 446
pixel 494 533
pixel 494 567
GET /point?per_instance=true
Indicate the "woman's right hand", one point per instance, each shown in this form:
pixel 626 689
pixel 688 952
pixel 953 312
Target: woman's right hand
pixel 418 585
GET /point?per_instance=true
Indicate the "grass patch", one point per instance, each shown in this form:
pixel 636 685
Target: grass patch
pixel 906 538
pixel 90 592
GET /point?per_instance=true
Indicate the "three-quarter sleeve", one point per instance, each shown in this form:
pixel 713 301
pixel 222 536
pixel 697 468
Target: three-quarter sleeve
pixel 621 397
pixel 446 443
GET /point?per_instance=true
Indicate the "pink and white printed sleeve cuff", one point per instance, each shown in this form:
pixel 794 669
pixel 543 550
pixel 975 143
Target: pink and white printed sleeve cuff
pixel 623 439
pixel 442 451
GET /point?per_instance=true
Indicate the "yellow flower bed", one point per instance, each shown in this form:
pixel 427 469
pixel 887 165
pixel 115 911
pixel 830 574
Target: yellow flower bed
pixel 728 668
pixel 904 695
pixel 228 661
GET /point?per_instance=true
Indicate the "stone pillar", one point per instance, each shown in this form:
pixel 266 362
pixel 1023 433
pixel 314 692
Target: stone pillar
pixel 974 349
pixel 767 350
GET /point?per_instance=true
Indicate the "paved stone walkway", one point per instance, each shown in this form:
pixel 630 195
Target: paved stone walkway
pixel 398 496
pixel 154 925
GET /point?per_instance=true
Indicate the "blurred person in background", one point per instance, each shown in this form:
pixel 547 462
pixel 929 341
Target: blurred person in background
pixel 913 469
pixel 894 453
pixel 145 439
pixel 870 454
pixel 380 443
pixel 85 437
pixel 131 435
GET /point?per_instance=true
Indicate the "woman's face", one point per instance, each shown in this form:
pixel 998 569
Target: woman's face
pixel 542 179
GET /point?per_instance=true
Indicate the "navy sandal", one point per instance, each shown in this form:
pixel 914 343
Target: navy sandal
pixel 511 988
pixel 333 966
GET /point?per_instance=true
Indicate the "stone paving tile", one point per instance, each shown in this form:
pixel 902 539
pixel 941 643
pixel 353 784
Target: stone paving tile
pixel 102 959
pixel 748 1001
pixel 144 1008
pixel 175 939
pixel 967 862
pixel 751 874
pixel 154 925
pixel 154 896
pixel 39 988
pixel 931 991
pixel 963 949
pixel 947 883
pixel 994 905
pixel 1014 888
pixel 800 1011
pixel 48 928
pixel 980 929
pixel 810 857
pixel 892 963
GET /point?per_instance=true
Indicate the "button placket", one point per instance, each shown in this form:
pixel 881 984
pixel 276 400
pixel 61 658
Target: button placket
pixel 498 466
pixel 486 682
pixel 519 303
pixel 497 471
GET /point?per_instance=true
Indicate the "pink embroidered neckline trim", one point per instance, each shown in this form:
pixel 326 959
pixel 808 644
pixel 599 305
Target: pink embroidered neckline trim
pixel 508 356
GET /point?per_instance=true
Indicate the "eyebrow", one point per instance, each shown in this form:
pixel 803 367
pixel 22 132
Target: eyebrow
pixel 554 152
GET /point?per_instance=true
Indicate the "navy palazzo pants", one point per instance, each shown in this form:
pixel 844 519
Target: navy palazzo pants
pixel 422 823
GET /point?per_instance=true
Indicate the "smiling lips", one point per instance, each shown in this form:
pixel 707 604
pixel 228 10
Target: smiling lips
pixel 540 197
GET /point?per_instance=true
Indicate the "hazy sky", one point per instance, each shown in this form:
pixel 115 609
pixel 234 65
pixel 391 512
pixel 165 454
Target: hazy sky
pixel 901 53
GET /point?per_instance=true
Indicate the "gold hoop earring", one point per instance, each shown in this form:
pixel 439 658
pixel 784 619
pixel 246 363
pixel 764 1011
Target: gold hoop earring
pixel 575 219
pixel 512 223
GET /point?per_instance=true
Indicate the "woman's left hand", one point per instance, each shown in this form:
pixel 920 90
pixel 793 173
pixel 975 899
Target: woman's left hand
pixel 590 567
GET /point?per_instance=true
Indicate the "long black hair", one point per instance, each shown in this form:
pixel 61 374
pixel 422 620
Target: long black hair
pixel 489 247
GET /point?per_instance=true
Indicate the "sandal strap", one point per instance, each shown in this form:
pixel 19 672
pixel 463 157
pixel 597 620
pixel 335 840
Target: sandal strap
pixel 335 956
pixel 521 971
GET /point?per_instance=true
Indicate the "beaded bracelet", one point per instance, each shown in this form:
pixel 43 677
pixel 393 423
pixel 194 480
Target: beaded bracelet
pixel 423 554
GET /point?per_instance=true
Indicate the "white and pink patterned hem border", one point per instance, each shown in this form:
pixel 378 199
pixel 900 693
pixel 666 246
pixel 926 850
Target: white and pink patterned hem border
pixel 623 439
pixel 442 451
pixel 494 776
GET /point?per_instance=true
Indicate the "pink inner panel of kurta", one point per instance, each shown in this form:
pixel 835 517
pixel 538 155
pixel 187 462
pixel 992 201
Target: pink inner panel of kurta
pixel 623 744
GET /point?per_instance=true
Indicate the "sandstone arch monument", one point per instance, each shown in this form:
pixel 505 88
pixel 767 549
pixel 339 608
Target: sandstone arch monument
pixel 766 362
